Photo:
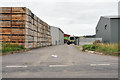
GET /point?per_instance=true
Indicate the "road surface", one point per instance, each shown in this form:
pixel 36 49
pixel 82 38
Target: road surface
pixel 63 61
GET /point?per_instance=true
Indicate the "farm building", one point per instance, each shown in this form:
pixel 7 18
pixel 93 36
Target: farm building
pixel 57 36
pixel 107 29
pixel 20 25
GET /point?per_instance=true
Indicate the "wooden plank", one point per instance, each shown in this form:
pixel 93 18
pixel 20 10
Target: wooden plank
pixel 18 17
pixel 42 31
pixel 38 35
pixel 29 25
pixel 18 37
pixel 18 24
pixel 27 11
pixel 44 44
pixel 29 19
pixel 5 38
pixel 35 45
pixel 17 40
pixel 38 45
pixel 5 23
pixel 5 10
pixel 35 39
pixel 30 12
pixel 0 9
pixel 18 10
pixel 29 32
pixel 29 38
pixel 42 39
pixel 38 29
pixel 35 23
pixel 35 33
pixel 18 43
pixel 26 44
pixel 38 39
pixel 34 28
pixel 5 31
pixel 39 20
pixel 5 16
pixel 30 45
pixel 35 17
pixel 17 31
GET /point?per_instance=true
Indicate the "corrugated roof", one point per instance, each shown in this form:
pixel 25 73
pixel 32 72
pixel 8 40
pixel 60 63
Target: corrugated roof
pixel 58 28
pixel 113 17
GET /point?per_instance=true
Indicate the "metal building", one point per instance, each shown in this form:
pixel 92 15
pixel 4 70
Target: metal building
pixel 57 36
pixel 107 29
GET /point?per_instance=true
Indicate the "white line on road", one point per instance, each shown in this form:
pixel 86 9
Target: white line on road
pixel 16 66
pixel 103 64
pixel 58 65
pixel 99 64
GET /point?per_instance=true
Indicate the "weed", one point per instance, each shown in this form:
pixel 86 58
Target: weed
pixel 107 49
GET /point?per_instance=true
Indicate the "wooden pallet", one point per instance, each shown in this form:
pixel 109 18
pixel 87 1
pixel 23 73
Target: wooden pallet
pixel 29 38
pixel 29 32
pixel 17 31
pixel 18 17
pixel 35 45
pixel 5 30
pixel 5 16
pixel 5 23
pixel 20 25
pixel 18 10
pixel 5 10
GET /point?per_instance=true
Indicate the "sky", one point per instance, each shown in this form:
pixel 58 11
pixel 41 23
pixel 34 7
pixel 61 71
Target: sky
pixel 74 17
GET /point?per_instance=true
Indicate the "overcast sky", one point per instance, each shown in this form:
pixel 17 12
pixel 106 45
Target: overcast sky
pixel 74 17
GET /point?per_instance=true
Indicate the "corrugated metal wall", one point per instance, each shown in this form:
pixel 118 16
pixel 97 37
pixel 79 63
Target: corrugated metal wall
pixel 82 41
pixel 57 36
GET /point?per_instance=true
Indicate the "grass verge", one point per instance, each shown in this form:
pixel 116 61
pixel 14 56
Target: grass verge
pixel 7 48
pixel 105 48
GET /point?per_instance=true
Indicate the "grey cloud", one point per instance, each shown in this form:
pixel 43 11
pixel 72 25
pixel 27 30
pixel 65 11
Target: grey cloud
pixel 70 15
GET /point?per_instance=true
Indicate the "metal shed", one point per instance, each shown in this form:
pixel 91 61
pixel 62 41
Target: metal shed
pixel 57 36
pixel 107 29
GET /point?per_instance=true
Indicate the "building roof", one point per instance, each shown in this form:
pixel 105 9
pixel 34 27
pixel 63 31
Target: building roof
pixel 113 17
pixel 61 30
pixel 58 28
pixel 66 35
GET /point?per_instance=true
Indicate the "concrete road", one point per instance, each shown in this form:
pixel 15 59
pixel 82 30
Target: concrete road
pixel 63 61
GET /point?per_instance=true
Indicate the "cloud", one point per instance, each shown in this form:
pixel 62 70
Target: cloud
pixel 76 17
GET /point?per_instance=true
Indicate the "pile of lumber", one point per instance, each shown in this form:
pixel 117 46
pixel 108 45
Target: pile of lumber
pixel 20 25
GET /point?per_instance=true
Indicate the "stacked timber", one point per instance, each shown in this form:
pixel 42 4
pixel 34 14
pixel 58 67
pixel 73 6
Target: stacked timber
pixel 20 25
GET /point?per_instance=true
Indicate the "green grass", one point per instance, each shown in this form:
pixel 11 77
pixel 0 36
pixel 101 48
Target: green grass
pixel 7 47
pixel 107 49
pixel 78 47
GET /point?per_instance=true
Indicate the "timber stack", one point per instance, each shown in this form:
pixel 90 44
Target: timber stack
pixel 18 25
